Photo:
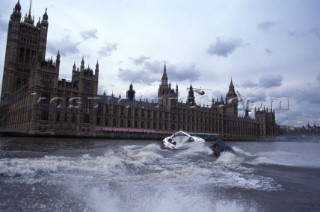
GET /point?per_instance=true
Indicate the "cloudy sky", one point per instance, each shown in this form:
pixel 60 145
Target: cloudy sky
pixel 269 48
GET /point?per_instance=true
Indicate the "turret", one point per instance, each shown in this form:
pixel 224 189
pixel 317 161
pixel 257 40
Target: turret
pixel 232 100
pixel 82 65
pixel 45 17
pixel 164 79
pixel 167 97
pixel 18 6
pixel 96 72
pixel 58 61
pixel 191 99
pixel 16 14
pixel 43 35
pixel 231 95
pixel 28 19
pixel 131 93
pixel 221 100
pixel 74 71
pixel 39 23
pixel 74 68
pixel 177 90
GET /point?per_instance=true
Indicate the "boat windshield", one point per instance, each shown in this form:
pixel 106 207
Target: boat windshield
pixel 180 137
pixel 180 133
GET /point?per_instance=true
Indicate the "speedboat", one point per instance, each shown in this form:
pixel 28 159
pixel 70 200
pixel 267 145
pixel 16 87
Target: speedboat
pixel 219 146
pixel 181 140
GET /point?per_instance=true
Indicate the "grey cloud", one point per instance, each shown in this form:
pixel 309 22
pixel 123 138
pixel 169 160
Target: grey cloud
pixel 311 32
pixel 268 51
pixel 315 99
pixel 65 46
pixel 224 47
pixel 285 101
pixel 291 118
pixel 89 34
pixel 139 60
pixel 136 76
pixel 249 84
pixel 266 25
pixel 3 27
pixel 152 70
pixel 176 72
pixel 318 78
pixel 270 81
pixel 265 82
pixel 108 49
pixel 292 33
pixel 153 66
pixel 183 73
pixel 316 32
pixel 307 94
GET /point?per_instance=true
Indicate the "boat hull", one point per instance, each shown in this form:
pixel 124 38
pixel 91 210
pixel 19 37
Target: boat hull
pixel 181 140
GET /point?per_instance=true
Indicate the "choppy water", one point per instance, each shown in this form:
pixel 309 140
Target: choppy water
pixel 42 174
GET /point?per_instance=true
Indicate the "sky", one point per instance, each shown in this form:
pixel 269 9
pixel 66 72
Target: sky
pixel 270 48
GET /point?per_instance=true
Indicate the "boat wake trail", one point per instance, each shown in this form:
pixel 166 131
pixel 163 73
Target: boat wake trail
pixel 143 178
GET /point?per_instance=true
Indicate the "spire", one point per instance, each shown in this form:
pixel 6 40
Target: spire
pixel 97 65
pixel 58 59
pixel 30 9
pixel 191 99
pixel 231 87
pixel 231 93
pixel 82 64
pixel 177 89
pixel 45 16
pixel 39 23
pixel 28 19
pixel 164 78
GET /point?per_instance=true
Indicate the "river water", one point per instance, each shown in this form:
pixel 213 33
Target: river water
pixel 58 174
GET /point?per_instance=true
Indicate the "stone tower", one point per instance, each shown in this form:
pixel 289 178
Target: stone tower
pixel 191 99
pixel 131 93
pixel 167 97
pixel 26 45
pixel 231 101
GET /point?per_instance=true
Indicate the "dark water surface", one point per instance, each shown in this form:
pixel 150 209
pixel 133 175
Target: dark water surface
pixel 55 174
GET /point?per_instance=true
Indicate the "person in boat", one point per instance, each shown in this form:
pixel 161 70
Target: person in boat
pixel 219 146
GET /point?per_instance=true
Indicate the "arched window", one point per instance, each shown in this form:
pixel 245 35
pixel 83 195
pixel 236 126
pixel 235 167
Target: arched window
pixel 27 59
pixel 19 83
pixel 21 55
pixel 33 56
pixel 58 117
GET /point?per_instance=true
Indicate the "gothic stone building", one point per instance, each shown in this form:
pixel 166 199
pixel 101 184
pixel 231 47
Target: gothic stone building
pixel 35 101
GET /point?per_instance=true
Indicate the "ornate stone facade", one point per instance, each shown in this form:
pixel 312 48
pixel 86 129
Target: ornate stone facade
pixel 35 100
